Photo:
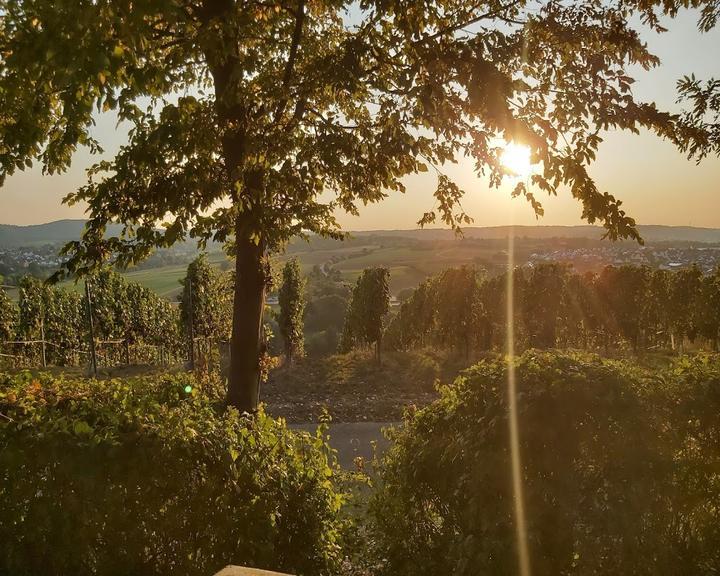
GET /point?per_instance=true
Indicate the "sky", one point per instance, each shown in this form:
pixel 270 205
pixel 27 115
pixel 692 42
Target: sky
pixel 656 183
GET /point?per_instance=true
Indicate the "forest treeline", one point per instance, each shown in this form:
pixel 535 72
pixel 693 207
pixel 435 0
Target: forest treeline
pixel 627 306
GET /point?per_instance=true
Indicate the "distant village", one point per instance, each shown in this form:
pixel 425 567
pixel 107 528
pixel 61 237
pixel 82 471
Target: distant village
pixel 41 261
pixel 36 260
pixel 662 256
pixel 582 255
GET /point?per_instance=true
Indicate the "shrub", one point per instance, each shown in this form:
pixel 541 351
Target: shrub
pixel 614 482
pixel 147 477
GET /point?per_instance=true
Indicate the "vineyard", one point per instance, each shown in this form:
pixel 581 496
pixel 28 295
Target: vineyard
pixel 627 307
pixel 114 322
pixel 623 308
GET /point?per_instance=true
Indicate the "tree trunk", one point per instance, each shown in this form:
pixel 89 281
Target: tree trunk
pixel 234 111
pixel 247 345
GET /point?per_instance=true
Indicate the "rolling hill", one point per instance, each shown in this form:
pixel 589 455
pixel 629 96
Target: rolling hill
pixel 57 232
pixel 60 231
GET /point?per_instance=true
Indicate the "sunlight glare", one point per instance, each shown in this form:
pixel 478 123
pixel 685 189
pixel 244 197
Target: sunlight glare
pixel 515 459
pixel 516 158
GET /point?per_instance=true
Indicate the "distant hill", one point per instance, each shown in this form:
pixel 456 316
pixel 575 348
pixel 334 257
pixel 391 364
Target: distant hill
pixel 56 232
pixel 650 233
pixel 65 230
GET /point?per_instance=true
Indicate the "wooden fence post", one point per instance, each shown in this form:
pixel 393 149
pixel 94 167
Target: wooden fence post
pixel 93 355
pixel 192 325
pixel 42 335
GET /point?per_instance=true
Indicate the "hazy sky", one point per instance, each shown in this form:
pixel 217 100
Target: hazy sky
pixel 656 183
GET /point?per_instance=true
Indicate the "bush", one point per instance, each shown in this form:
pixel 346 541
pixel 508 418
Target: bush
pixel 620 472
pixel 147 477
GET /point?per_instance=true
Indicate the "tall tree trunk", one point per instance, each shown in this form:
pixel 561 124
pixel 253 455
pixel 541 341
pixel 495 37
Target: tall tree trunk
pixel 247 346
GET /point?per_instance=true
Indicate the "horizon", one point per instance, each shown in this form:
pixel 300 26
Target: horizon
pixel 582 224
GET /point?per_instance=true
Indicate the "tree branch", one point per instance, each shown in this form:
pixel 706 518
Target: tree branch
pixel 461 25
pixel 294 45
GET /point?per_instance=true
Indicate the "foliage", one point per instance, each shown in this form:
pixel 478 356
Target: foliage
pixel 128 311
pixel 8 317
pixel 553 307
pixel 52 314
pixel 458 307
pixel 122 312
pixel 146 476
pixel 291 298
pixel 621 293
pixel 324 318
pixel 210 293
pixel 618 471
pixel 708 308
pixel 541 298
pixel 414 323
pixel 367 310
pixel 684 289
pixel 30 307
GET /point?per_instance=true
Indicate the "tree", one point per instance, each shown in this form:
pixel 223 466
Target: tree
pixel 656 319
pixel 684 291
pixel 369 305
pixel 326 313
pixel 457 317
pixel 622 290
pixel 31 310
pixel 205 301
pixel 708 308
pixel 580 317
pixel 542 302
pixel 292 309
pixel 289 110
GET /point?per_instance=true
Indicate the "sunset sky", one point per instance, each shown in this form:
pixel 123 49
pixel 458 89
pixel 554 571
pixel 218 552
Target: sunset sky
pixel 656 183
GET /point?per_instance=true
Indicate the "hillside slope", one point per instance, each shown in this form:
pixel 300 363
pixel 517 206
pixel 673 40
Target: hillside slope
pixel 51 233
pixel 12 236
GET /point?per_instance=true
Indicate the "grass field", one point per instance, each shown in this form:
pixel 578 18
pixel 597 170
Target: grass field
pixel 410 260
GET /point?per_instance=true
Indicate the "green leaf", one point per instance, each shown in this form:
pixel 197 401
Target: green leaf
pixel 82 428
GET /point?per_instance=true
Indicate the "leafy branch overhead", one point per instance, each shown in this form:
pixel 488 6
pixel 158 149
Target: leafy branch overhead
pixel 287 111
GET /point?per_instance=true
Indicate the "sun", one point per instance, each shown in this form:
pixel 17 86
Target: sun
pixel 516 158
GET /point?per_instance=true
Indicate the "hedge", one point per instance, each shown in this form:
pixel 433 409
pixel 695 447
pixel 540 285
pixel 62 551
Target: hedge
pixel 621 472
pixel 151 476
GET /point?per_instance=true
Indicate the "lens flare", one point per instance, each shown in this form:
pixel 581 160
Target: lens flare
pixel 515 459
pixel 516 159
